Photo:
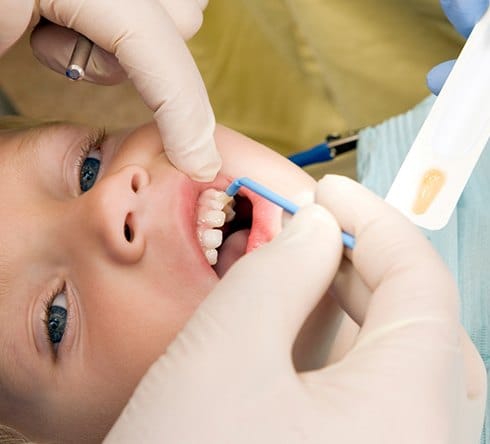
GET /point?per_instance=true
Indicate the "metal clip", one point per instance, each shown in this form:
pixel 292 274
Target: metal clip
pixel 341 143
pixel 333 145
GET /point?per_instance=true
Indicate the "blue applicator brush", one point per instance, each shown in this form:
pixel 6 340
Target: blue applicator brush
pixel 347 239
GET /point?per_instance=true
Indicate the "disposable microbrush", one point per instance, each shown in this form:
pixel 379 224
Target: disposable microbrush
pixel 347 239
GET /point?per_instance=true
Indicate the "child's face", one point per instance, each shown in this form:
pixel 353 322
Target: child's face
pixel 123 258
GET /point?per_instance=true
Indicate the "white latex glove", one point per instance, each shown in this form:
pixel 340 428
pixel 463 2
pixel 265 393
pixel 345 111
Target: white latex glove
pixel 146 39
pixel 412 376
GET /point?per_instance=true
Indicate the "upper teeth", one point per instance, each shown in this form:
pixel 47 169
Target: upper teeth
pixel 214 208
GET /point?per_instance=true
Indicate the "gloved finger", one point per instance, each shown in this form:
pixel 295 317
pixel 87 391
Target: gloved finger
pixel 265 297
pixel 150 49
pixel 350 291
pixel 52 45
pixel 405 293
pixel 202 4
pixel 464 14
pixel 354 296
pixel 14 20
pixel 437 76
pixel 393 258
pixel 475 376
pixel 186 14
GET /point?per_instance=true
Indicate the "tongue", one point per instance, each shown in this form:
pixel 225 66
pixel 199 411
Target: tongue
pixel 233 248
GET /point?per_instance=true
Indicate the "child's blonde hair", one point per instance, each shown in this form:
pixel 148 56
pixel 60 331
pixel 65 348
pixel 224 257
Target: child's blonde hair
pixel 10 436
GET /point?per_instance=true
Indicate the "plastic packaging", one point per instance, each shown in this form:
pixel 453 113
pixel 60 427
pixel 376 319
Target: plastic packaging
pixel 446 150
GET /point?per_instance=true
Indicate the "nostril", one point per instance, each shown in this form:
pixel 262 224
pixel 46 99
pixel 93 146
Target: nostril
pixel 139 178
pixel 135 183
pixel 128 232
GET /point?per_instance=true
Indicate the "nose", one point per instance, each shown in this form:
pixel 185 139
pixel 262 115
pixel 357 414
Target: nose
pixel 112 211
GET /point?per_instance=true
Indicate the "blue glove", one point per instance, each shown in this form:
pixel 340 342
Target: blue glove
pixel 463 14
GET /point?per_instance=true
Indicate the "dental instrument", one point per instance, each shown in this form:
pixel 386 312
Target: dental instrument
pixel 452 138
pixel 79 58
pixel 333 145
pixel 347 239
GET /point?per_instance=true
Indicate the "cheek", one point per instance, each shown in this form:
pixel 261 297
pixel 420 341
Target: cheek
pixel 135 317
pixel 124 333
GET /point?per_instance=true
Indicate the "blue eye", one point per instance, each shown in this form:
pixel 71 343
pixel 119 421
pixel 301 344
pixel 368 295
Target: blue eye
pixel 89 159
pixel 56 323
pixel 56 317
pixel 88 173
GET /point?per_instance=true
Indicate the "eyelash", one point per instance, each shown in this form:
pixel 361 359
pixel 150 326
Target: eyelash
pixel 93 142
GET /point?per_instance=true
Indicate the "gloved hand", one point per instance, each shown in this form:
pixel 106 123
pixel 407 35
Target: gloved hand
pixel 412 376
pixel 463 14
pixel 141 39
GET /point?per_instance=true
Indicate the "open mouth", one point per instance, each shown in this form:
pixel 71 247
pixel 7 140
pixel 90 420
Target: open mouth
pixel 227 228
pixel 236 234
